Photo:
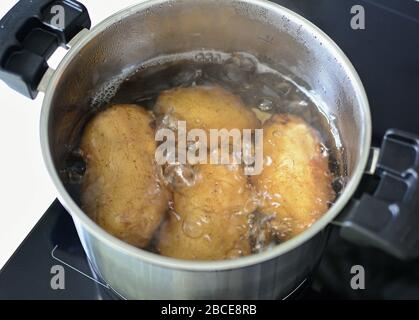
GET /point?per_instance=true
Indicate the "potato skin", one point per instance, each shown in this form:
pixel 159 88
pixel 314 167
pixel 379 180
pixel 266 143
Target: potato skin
pixel 210 218
pixel 206 107
pixel 121 190
pixel 297 185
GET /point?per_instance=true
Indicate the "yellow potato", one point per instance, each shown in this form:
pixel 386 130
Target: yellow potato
pixel 210 218
pixel 121 190
pixel 295 184
pixel 206 107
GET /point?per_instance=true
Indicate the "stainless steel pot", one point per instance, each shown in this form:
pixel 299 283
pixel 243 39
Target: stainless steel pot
pixel 275 35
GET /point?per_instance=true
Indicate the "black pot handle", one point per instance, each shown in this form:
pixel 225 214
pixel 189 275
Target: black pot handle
pixel 389 217
pixel 30 33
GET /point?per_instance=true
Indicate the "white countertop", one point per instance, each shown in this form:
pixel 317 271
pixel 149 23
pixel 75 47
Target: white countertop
pixel 25 188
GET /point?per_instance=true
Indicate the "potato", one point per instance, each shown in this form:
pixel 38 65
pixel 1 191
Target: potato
pixel 210 218
pixel 206 107
pixel 295 185
pixel 121 190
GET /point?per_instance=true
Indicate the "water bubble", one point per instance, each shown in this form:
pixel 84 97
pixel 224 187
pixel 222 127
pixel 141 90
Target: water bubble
pixel 193 228
pixel 175 214
pixel 288 163
pixel 193 146
pixel 249 206
pixel 205 219
pixel 324 150
pixel 303 103
pixel 267 161
pixel 106 92
pixel 268 91
pixel 179 175
pixel 260 231
pixel 167 121
pixel 234 253
pixel 338 184
pixel 74 176
pixel 233 73
pixel 263 116
pixel 275 204
pixel 245 63
pixel 185 78
pixel 234 167
pixel 277 133
pixel 266 104
pixel 284 88
pixel 75 167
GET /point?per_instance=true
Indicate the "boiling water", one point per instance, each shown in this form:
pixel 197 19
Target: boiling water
pixel 261 88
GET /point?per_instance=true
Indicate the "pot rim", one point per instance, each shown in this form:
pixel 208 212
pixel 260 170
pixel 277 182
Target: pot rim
pixel 80 217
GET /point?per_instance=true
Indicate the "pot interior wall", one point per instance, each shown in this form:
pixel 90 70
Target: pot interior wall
pixel 274 36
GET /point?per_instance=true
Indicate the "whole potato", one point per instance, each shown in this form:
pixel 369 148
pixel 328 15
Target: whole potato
pixel 210 218
pixel 206 107
pixel 121 190
pixel 295 185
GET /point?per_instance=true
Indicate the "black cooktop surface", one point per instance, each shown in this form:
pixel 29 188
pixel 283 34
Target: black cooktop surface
pixel 385 56
pixel 54 242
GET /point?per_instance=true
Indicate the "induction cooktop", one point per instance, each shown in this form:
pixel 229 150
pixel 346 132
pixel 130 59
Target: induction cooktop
pixel 384 55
